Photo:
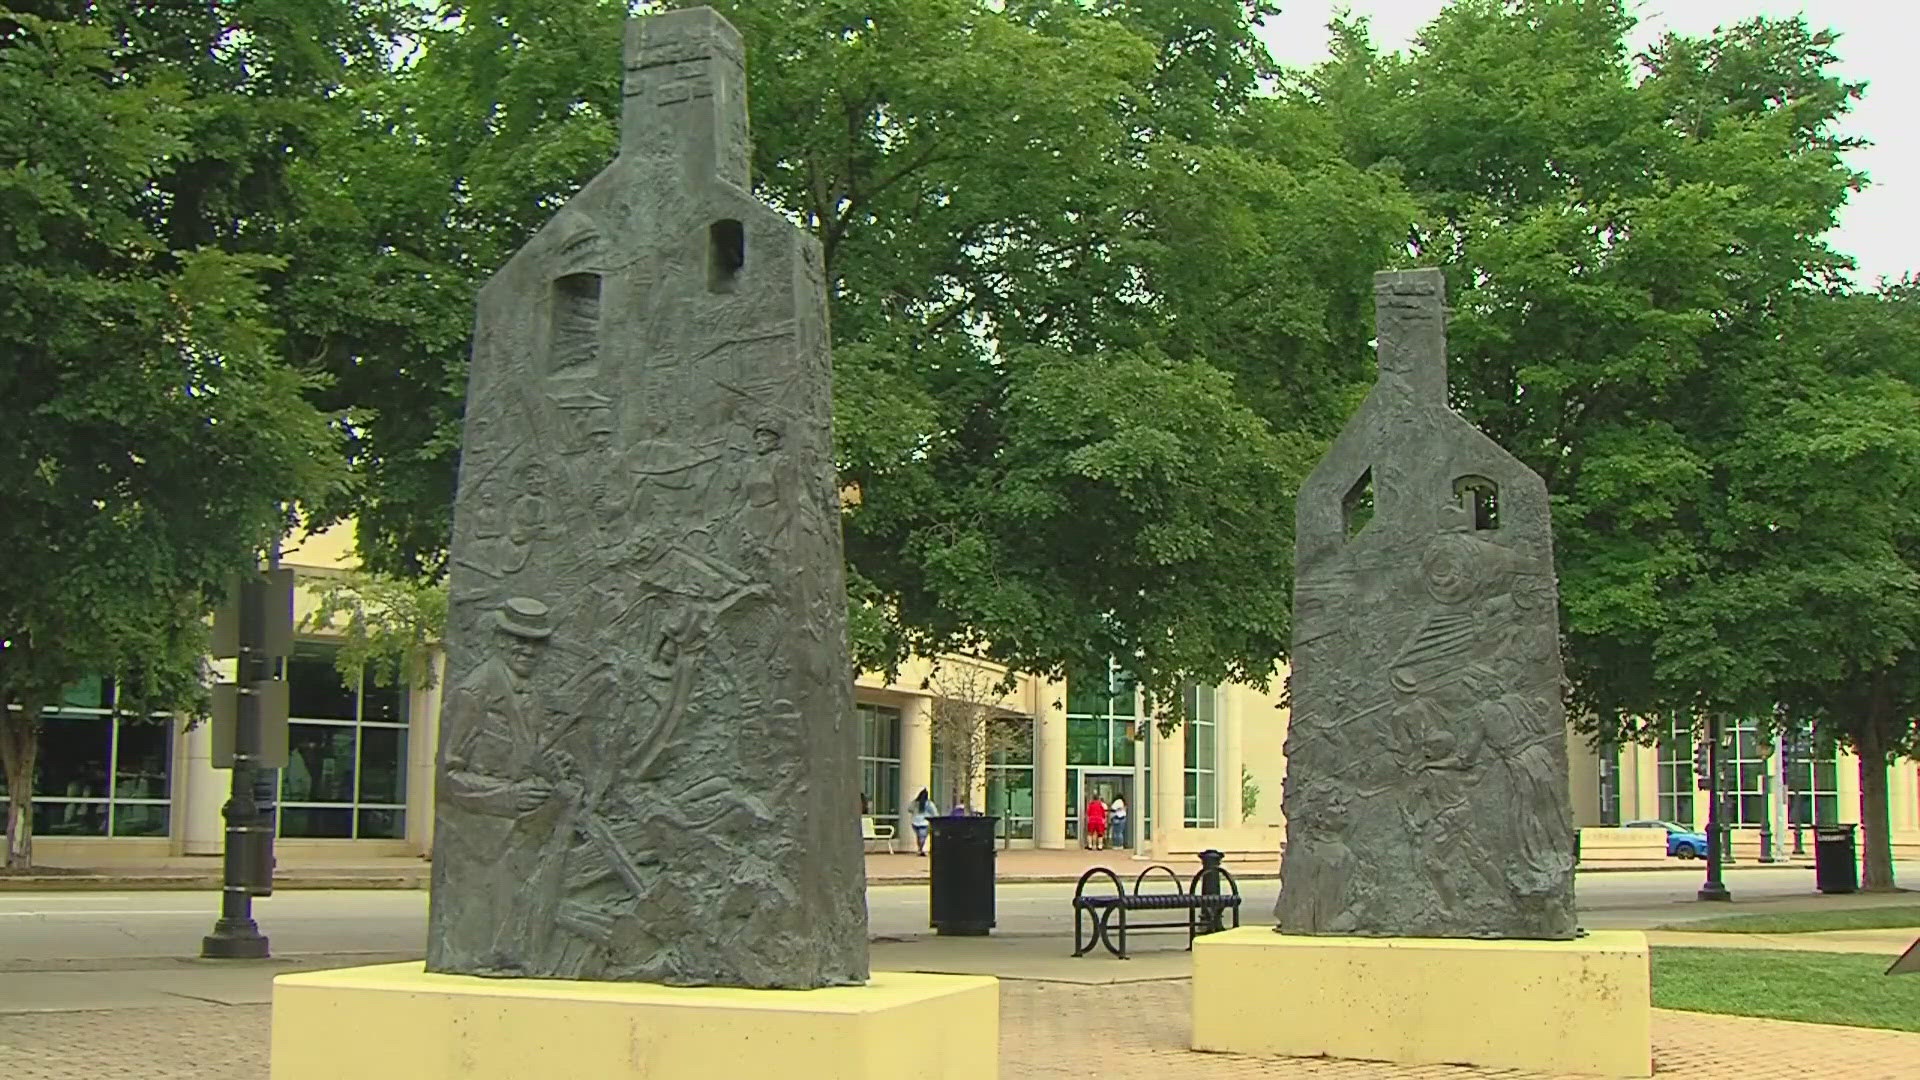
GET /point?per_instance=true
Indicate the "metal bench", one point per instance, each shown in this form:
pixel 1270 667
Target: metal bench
pixel 1206 906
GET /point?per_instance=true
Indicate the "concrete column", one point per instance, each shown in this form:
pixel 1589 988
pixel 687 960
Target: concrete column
pixel 1169 789
pixel 1643 767
pixel 199 792
pixel 423 755
pixel 1846 769
pixel 1229 726
pixel 916 756
pixel 1583 780
pixel 1050 770
pixel 1903 801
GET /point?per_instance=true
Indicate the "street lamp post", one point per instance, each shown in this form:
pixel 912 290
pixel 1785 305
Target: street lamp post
pixel 255 627
pixel 1714 887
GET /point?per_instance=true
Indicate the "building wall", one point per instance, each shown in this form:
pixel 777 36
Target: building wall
pixel 1033 792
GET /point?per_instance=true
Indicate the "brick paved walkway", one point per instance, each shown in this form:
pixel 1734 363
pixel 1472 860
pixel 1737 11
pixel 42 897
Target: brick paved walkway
pixel 1133 1031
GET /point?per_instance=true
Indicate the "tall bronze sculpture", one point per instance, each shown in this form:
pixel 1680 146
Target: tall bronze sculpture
pixel 648 751
pixel 1426 789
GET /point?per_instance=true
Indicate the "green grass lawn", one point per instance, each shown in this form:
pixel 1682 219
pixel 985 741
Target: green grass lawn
pixel 1814 987
pixel 1804 922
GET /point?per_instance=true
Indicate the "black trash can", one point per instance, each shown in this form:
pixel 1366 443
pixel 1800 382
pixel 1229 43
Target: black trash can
pixel 1836 865
pixel 961 855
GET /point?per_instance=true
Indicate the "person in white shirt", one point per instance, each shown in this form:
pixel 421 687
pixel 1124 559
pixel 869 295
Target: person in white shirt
pixel 1117 821
pixel 918 811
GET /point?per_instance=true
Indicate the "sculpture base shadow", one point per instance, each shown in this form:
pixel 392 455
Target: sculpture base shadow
pixel 400 1022
pixel 1557 1007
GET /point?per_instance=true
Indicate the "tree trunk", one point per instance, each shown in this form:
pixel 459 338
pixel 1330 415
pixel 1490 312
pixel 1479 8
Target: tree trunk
pixel 1877 865
pixel 19 742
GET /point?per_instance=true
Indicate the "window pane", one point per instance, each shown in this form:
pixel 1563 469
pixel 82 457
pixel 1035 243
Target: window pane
pixel 72 762
pixel 319 764
pixel 70 819
pixel 383 704
pixel 383 765
pixel 92 692
pixel 314 688
pixel 1826 775
pixel 1122 746
pixel 325 824
pixel 1086 743
pixel 144 761
pixel 137 819
pixel 1087 692
pixel 1826 809
pixel 1123 694
pixel 383 824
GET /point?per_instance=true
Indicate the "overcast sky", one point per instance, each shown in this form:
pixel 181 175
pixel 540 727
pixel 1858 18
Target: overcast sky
pixel 1878 46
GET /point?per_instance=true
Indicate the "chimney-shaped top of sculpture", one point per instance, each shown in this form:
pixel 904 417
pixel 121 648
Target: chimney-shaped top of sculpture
pixel 1411 335
pixel 686 95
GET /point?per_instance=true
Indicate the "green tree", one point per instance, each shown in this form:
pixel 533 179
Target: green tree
pixel 155 437
pixel 1094 302
pixel 1645 311
pixel 1812 569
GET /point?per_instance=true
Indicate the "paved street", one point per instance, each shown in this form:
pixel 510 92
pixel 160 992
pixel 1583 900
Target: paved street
pixel 100 985
pixel 39 930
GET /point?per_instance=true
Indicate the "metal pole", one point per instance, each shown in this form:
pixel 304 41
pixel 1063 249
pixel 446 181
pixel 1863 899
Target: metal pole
pixel 235 934
pixel 1714 888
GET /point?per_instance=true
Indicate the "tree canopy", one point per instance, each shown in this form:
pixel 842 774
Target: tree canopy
pixel 1649 313
pixel 155 432
pixel 1095 301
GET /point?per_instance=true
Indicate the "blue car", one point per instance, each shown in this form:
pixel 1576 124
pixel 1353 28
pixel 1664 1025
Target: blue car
pixel 1682 842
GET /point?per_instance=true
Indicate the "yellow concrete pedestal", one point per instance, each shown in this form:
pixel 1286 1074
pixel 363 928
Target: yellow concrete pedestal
pixel 398 1022
pixel 1549 1006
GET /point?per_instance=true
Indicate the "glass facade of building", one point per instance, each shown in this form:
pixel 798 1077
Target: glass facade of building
pixel 880 758
pixel 1202 802
pixel 346 774
pixel 1752 772
pixel 1010 776
pixel 1103 708
pixel 1609 783
pixel 98 774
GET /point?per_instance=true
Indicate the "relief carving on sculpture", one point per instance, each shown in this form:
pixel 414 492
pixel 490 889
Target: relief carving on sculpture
pixel 649 746
pixel 1429 732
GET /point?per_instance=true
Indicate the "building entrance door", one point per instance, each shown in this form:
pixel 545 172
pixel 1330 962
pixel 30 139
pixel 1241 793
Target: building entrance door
pixel 1111 786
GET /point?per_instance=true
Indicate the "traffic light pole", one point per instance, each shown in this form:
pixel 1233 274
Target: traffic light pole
pixel 235 934
pixel 1714 888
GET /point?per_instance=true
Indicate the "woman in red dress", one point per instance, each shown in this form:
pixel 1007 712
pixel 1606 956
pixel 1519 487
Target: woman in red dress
pixel 1096 823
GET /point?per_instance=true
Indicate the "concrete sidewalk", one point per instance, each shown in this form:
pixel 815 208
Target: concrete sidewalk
pixel 1060 1017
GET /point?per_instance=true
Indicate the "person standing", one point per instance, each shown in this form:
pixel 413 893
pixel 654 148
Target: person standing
pixel 918 811
pixel 1096 823
pixel 1117 821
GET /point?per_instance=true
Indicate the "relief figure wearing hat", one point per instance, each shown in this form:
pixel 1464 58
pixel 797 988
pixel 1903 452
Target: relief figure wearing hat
pixel 495 771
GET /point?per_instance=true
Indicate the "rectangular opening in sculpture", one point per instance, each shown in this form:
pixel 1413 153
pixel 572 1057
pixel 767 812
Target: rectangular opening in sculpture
pixel 1480 498
pixel 574 338
pixel 1356 509
pixel 726 255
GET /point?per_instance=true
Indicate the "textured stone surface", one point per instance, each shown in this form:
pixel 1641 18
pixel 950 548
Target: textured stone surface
pixel 1426 789
pixel 648 763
